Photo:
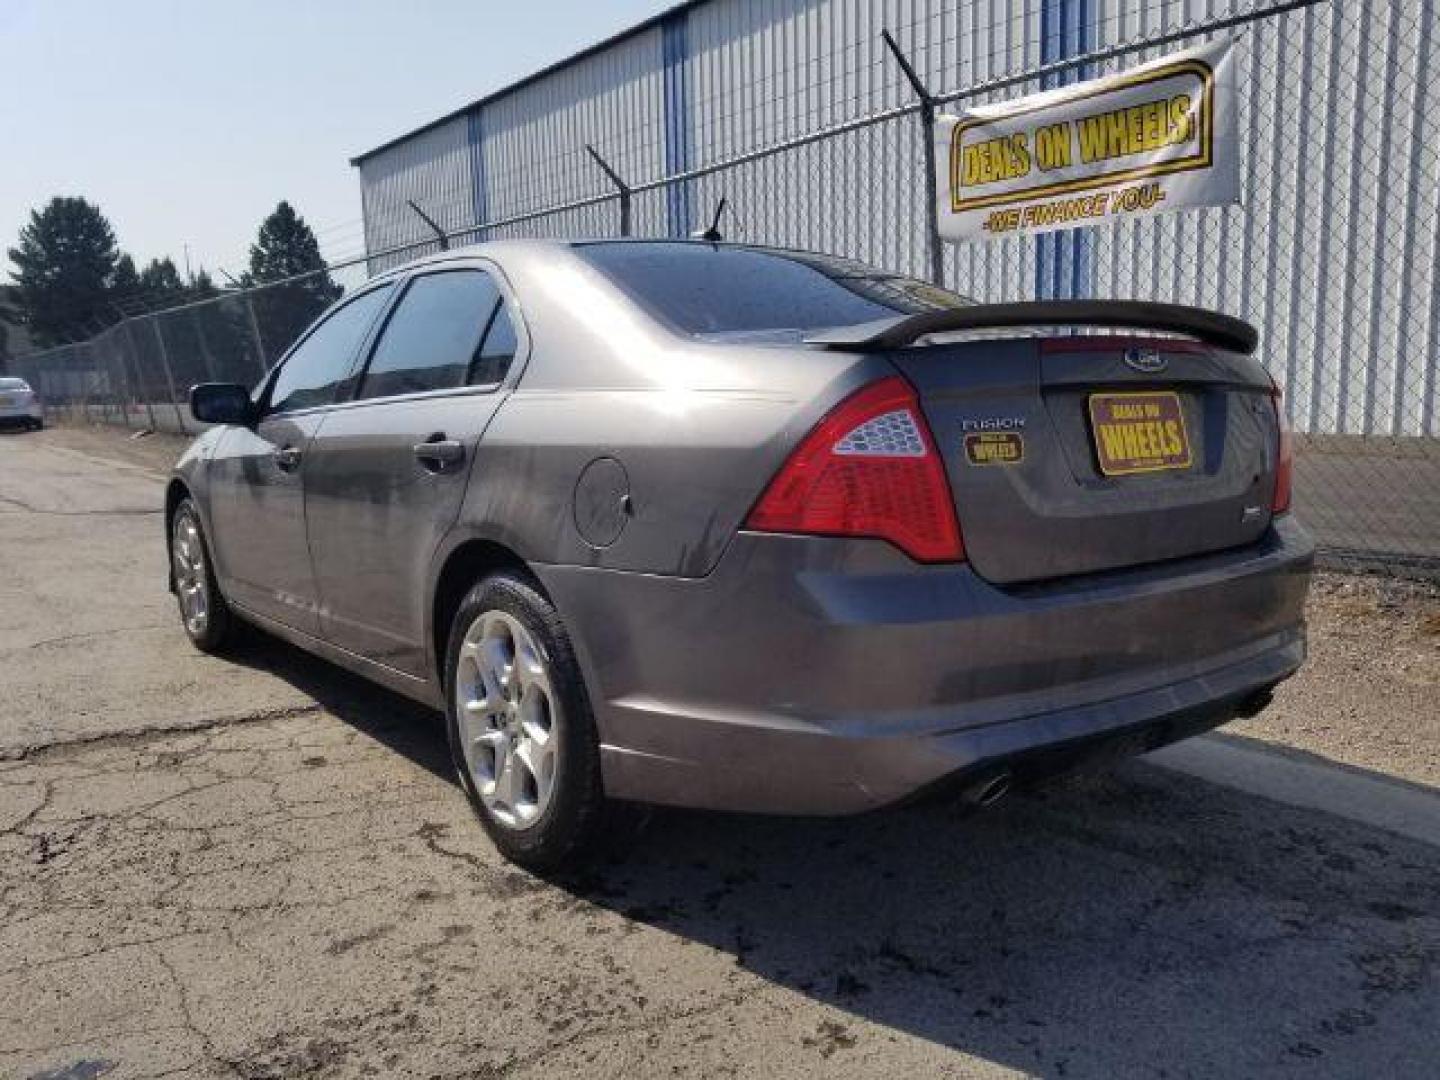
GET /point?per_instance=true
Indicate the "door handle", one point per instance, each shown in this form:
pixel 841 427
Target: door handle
pixel 287 458
pixel 439 453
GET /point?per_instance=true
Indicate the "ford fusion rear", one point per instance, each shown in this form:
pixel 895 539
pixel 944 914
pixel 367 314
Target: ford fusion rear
pixel 754 529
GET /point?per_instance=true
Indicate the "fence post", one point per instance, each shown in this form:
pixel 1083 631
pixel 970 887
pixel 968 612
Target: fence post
pixel 120 375
pixel 933 242
pixel 260 357
pixel 204 344
pixel 97 354
pixel 112 381
pixel 92 381
pixel 116 375
pixel 440 236
pixel 169 378
pixel 139 380
pixel 121 387
pixel 620 185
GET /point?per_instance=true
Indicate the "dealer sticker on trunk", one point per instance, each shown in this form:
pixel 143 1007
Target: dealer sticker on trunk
pixel 1139 432
pixel 995 448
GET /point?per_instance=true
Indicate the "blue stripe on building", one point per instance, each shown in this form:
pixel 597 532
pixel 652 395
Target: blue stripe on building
pixel 674 50
pixel 479 195
pixel 1064 263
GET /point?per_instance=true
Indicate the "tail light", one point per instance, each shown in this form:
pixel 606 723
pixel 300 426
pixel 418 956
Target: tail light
pixel 1285 459
pixel 869 468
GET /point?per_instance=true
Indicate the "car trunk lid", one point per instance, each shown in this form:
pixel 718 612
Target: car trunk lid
pixel 1085 451
pixel 1089 452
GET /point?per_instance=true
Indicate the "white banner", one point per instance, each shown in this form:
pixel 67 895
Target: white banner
pixel 1155 138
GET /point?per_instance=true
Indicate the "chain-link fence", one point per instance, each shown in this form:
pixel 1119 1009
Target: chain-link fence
pixel 1331 253
pixel 139 372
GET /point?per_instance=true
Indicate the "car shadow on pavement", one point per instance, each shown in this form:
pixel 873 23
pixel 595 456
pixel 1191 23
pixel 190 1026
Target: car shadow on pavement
pixel 392 719
pixel 1139 922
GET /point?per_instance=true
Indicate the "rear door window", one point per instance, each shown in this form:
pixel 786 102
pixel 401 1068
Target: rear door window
pixel 434 338
pixel 497 352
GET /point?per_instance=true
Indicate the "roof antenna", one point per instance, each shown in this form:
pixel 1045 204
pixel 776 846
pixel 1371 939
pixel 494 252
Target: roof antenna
pixel 439 232
pixel 712 234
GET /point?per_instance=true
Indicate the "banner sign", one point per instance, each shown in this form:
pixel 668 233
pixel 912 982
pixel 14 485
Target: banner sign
pixel 1155 138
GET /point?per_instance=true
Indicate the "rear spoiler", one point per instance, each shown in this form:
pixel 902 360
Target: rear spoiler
pixel 1208 326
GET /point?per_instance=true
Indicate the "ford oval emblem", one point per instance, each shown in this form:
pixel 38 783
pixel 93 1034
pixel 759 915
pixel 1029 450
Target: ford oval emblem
pixel 1146 361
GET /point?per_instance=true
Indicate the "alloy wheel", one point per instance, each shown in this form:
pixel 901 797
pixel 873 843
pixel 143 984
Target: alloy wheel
pixel 191 582
pixel 509 719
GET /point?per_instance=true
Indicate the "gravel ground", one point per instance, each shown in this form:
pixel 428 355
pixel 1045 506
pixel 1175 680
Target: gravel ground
pixel 157 451
pixel 1369 695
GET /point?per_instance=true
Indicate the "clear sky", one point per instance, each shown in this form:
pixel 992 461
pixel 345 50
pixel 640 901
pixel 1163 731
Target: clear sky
pixel 188 121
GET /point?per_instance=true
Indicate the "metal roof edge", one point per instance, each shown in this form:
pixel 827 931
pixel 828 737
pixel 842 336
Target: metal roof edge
pixel 534 76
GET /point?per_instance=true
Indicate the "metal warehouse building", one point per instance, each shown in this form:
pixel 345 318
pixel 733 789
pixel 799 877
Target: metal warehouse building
pixel 1331 253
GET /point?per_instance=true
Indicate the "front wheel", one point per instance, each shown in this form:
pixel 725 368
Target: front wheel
pixel 522 736
pixel 203 611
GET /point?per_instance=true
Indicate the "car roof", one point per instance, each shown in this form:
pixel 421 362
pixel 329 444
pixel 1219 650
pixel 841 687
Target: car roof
pixel 503 250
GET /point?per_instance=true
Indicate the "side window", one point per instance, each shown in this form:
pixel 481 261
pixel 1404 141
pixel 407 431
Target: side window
pixel 493 359
pixel 433 336
pixel 312 373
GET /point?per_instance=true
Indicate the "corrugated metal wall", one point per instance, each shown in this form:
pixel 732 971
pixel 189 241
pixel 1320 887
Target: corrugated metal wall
pixel 762 72
pixel 1332 253
pixel 434 169
pixel 535 138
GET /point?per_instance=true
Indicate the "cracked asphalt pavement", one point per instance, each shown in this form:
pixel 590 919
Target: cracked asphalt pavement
pixel 260 867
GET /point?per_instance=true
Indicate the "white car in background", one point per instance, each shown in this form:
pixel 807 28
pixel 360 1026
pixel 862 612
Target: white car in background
pixel 19 405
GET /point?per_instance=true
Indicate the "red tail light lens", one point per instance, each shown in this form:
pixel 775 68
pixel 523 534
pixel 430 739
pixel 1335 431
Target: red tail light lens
pixel 1285 460
pixel 870 468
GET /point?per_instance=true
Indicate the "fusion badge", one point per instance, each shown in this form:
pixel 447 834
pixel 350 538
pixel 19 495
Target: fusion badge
pixel 995 448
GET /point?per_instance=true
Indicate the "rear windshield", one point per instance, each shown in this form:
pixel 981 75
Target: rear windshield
pixel 701 289
pixel 14 384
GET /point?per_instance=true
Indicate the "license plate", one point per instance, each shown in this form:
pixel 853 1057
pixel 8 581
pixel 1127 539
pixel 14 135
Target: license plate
pixel 1139 432
pixel 6 402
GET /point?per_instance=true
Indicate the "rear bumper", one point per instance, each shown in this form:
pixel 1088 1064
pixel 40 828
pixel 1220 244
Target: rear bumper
pixel 827 677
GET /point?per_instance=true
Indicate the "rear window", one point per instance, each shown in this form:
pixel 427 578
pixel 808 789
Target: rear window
pixel 702 289
pixel 14 384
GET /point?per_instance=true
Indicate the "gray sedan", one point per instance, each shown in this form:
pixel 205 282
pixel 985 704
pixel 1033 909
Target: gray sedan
pixel 19 405
pixel 752 529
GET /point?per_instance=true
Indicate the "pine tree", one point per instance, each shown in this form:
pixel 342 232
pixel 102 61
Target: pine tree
pixel 285 249
pixel 63 264
pixel 124 283
pixel 161 285
pixel 202 286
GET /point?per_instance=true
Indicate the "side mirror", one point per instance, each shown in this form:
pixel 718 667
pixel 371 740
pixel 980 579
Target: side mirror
pixel 222 403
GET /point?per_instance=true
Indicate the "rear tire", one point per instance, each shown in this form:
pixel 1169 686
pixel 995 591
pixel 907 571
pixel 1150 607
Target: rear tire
pixel 522 735
pixel 204 615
